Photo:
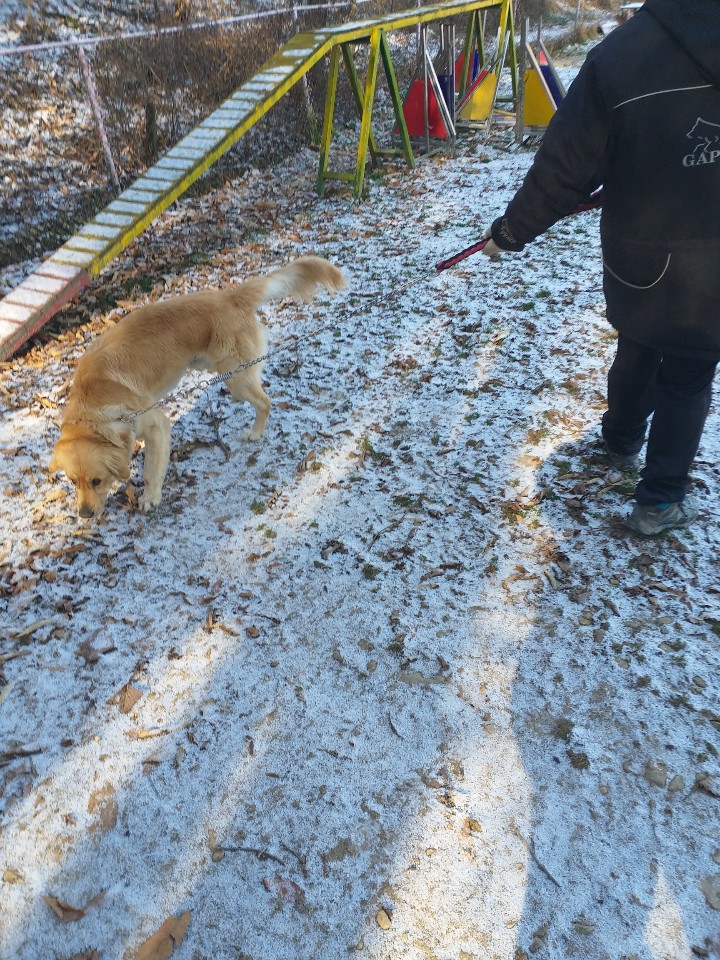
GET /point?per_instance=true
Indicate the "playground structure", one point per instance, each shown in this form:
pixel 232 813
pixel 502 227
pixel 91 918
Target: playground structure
pixel 543 91
pixel 460 94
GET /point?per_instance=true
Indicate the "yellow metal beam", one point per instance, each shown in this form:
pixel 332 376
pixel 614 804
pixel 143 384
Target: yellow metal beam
pixel 27 307
pixel 311 55
pixel 368 100
pixel 410 18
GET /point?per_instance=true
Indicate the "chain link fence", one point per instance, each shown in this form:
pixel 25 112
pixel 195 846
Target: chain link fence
pixel 152 89
pixel 159 70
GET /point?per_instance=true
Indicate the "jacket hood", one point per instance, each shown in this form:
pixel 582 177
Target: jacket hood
pixel 695 25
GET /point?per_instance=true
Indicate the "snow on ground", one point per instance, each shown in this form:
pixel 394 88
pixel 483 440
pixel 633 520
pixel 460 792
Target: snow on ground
pixel 394 683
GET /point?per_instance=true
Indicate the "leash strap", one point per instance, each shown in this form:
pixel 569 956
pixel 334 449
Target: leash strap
pixel 467 252
pixel 594 201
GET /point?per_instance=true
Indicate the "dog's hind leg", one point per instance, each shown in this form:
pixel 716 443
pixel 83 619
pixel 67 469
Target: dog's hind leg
pixel 246 387
pixel 154 428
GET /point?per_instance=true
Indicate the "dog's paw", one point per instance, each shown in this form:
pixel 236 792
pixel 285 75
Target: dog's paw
pixel 148 500
pixel 251 434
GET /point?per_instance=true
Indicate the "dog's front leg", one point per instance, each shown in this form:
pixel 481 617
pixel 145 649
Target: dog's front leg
pixel 154 429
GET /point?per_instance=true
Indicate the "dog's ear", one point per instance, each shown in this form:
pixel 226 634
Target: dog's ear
pixel 119 456
pixel 123 469
pixel 54 464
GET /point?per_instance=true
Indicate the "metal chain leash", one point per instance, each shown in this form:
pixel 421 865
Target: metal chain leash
pixel 200 388
pixel 594 201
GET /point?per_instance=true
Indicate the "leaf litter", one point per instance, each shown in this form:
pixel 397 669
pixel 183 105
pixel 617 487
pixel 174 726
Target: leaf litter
pixel 412 608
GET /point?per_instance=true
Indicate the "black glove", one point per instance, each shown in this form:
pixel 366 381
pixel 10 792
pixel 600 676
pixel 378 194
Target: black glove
pixel 503 237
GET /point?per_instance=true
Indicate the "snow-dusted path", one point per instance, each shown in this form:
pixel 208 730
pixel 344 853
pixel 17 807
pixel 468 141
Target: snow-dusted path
pixel 407 688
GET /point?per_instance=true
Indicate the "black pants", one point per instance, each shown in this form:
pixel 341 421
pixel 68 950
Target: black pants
pixel 677 392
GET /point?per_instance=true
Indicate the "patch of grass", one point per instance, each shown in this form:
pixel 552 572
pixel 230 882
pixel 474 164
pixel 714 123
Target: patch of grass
pixel 537 434
pixel 397 646
pixel 625 487
pixel 562 729
pixel 580 761
pixel 106 301
pixel 367 448
pixel 409 501
pixel 370 572
pixel 144 282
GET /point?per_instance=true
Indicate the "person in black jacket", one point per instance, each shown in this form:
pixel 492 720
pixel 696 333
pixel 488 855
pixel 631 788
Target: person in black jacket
pixel 642 119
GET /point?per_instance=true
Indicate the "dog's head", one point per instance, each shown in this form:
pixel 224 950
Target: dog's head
pixel 92 463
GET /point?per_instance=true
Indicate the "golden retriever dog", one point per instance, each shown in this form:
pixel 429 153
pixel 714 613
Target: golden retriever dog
pixel 139 361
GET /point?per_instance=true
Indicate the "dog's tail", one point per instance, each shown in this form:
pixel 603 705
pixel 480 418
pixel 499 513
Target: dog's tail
pixel 301 278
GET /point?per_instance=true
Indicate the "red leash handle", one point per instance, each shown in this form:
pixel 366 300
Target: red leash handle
pixel 467 252
pixel 593 202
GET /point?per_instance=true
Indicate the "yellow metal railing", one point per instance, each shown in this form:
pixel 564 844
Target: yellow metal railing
pixel 24 310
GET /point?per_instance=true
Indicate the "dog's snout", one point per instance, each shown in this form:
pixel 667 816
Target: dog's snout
pixel 86 512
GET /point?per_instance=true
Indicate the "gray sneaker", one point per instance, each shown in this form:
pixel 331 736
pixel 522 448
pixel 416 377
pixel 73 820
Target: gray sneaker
pixel 652 520
pixel 624 462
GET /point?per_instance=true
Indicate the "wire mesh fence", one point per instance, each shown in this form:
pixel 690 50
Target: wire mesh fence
pixel 152 87
pixel 156 77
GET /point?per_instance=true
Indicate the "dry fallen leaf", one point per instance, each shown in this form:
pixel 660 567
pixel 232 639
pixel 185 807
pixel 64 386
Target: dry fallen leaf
pixel 63 911
pixel 708 784
pixel 103 803
pixel 131 495
pixel 284 889
pixel 31 629
pixel 138 733
pixel 162 943
pixel 88 652
pixel 126 698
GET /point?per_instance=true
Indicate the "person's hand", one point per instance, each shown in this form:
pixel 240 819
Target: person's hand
pixel 491 249
pixel 500 239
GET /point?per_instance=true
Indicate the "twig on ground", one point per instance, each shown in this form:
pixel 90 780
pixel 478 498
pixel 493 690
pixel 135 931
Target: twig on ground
pixel 531 850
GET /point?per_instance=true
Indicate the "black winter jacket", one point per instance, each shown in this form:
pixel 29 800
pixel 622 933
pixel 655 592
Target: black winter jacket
pixel 642 118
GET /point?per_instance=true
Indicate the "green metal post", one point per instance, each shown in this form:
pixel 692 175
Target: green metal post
pixel 474 40
pixel 396 100
pixel 505 19
pixel 468 54
pixel 513 53
pixel 481 35
pixel 357 92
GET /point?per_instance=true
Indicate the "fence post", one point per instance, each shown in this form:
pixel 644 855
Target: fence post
pixel 309 109
pixel 97 112
pixel 522 64
pixel 151 133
